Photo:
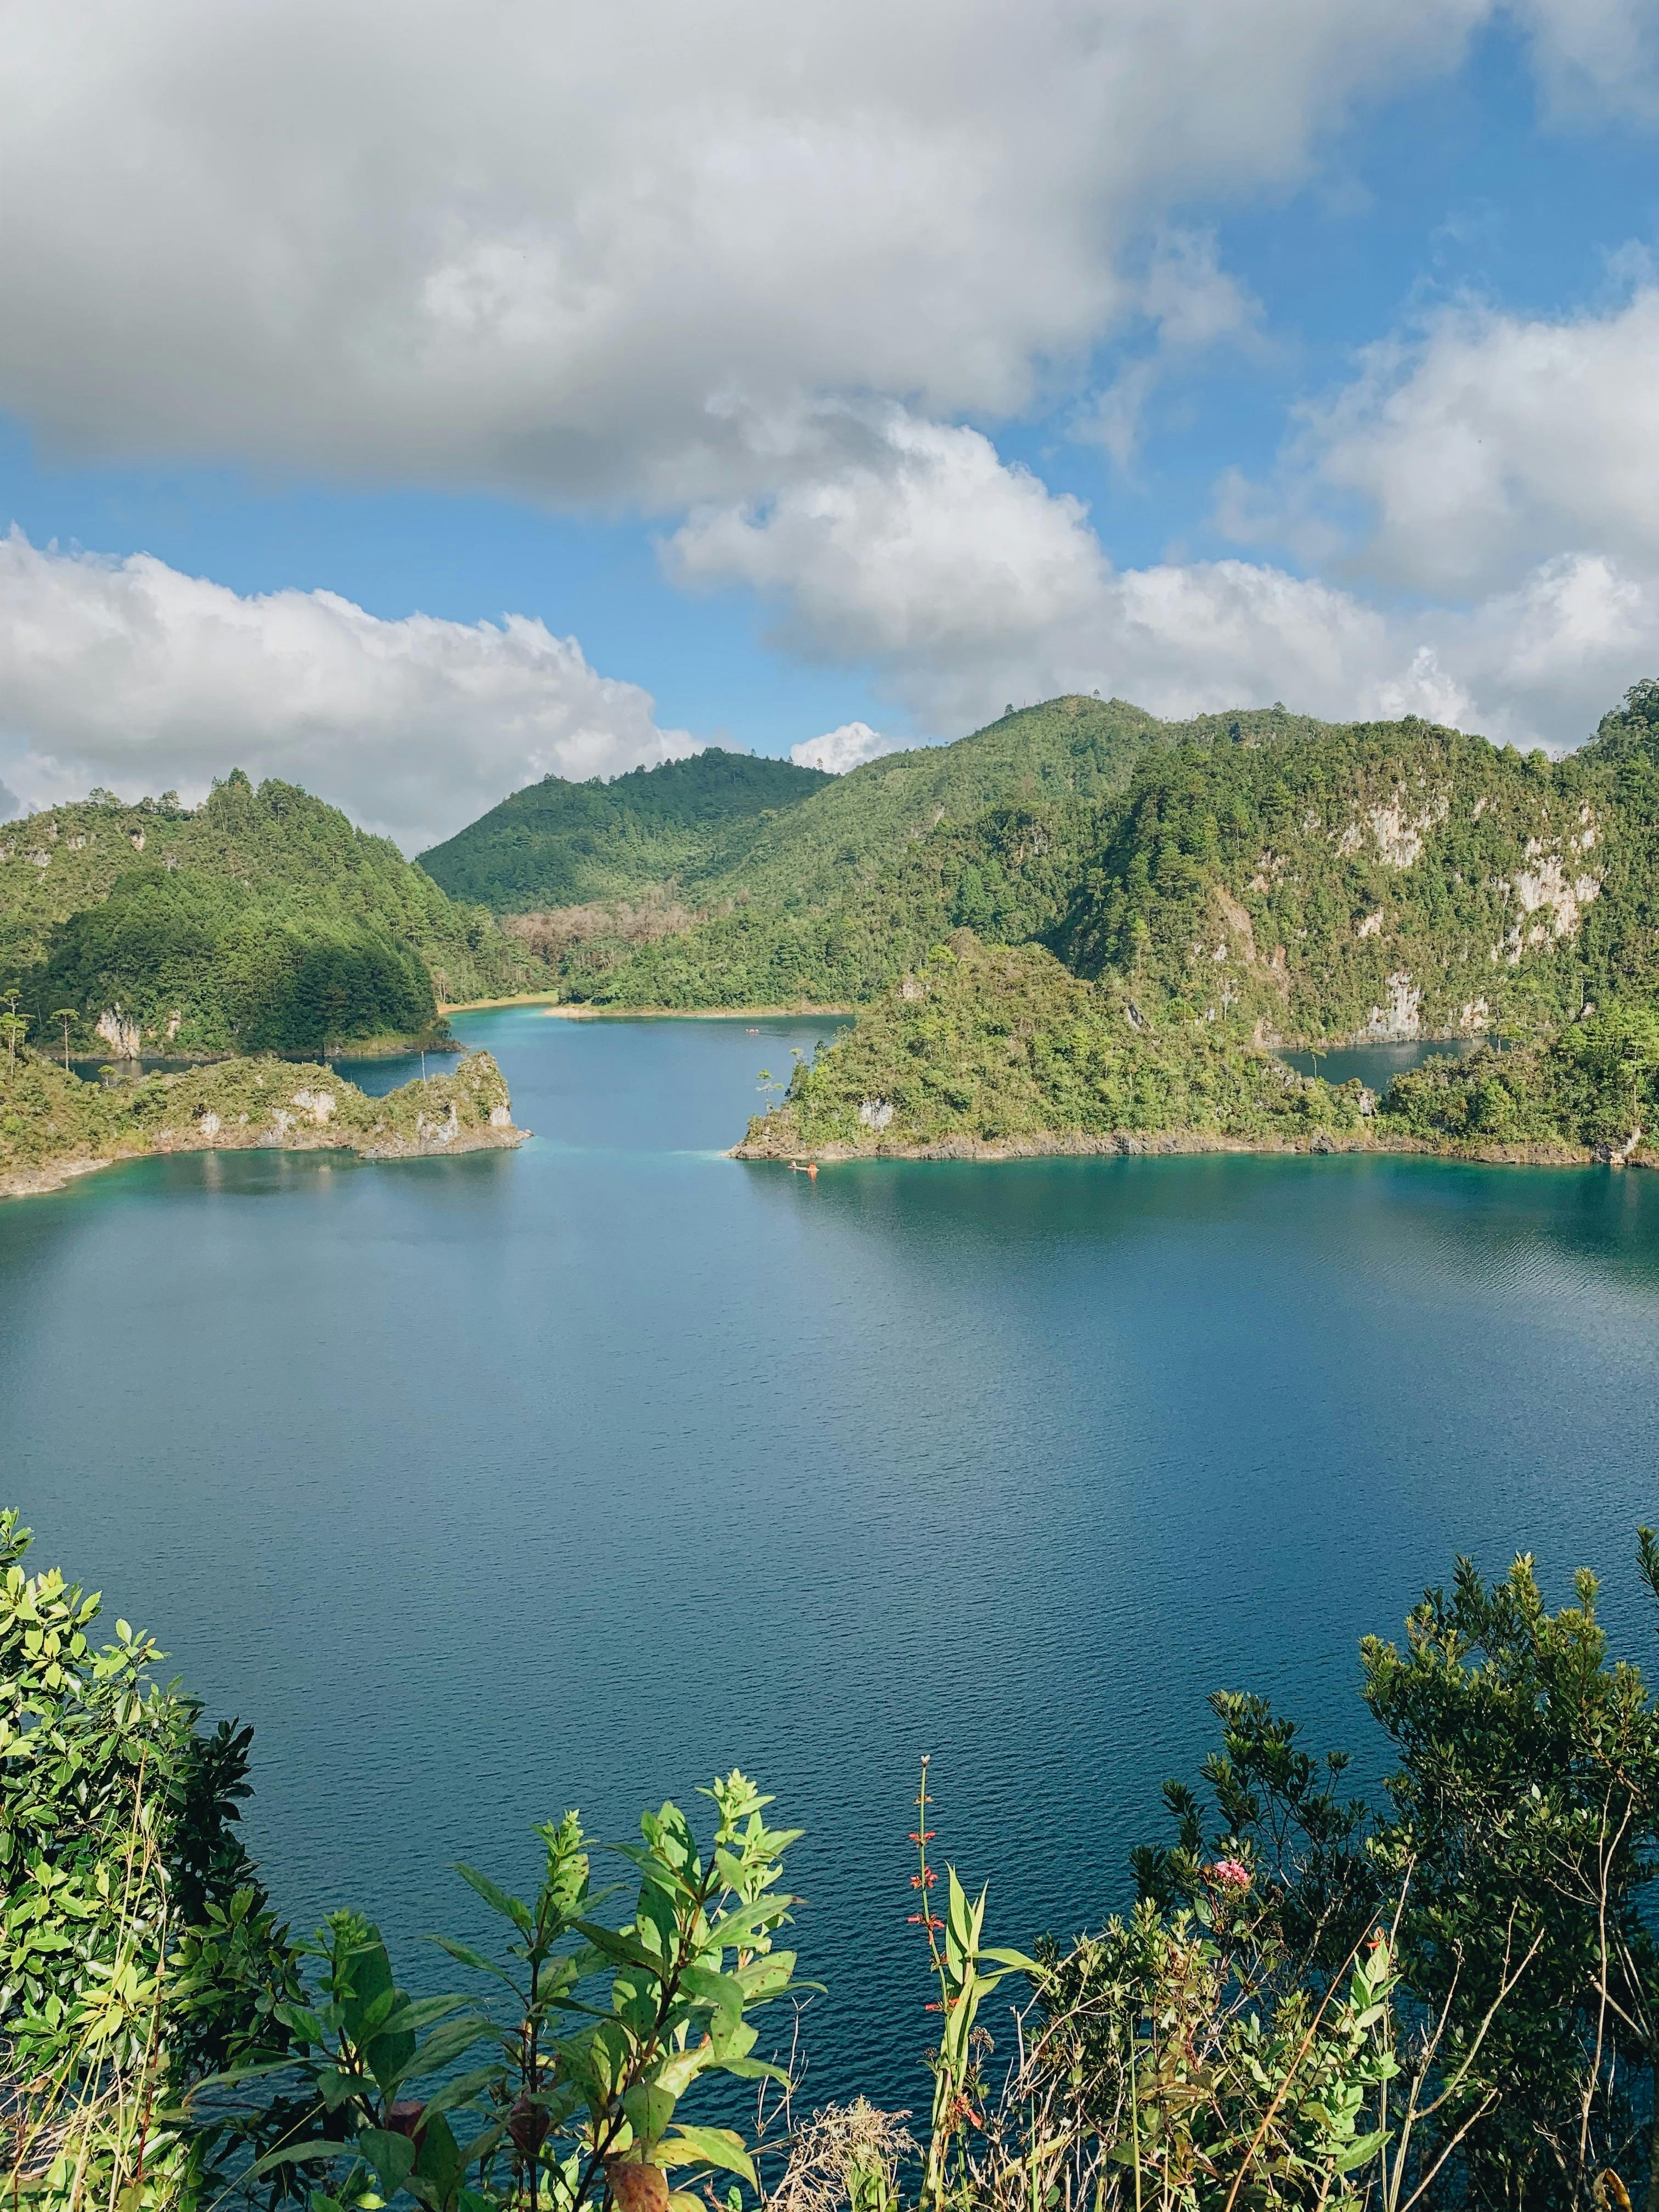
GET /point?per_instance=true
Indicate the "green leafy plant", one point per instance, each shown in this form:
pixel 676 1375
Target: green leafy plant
pixel 597 2034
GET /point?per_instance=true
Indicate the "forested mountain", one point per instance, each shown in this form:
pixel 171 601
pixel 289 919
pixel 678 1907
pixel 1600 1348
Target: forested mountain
pixel 1389 878
pixel 831 899
pixel 261 921
pixel 1381 880
pixel 1279 877
pixel 1267 875
pixel 557 844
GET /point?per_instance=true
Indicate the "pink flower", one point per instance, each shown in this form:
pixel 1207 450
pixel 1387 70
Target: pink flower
pixel 1230 1873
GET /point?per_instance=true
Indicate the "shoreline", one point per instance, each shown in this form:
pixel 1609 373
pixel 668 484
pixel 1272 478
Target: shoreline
pixel 576 1010
pixel 55 1175
pixel 380 1047
pixel 1175 1143
pixel 578 1013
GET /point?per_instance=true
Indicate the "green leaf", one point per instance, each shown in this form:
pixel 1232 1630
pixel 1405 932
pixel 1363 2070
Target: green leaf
pixel 447 2043
pixel 454 2094
pixel 745 1919
pixel 510 1908
pixel 235 2075
pixel 304 2023
pixel 755 2069
pixel 649 2109
pixel 438 2156
pixel 335 2087
pixel 621 1949
pixel 392 2156
pixel 297 2155
pixel 1366 2147
pixel 466 1956
pixel 718 2147
pixel 723 1991
pixel 677 2073
pixel 1016 1962
pixel 415 2019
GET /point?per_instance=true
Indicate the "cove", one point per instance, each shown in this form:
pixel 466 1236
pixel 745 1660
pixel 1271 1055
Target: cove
pixel 489 1485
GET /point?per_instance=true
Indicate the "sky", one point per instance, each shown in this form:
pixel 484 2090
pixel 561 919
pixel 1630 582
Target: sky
pixel 413 404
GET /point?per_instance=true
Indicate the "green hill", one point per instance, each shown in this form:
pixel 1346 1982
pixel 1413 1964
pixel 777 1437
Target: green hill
pixel 559 844
pixel 836 898
pixel 261 921
pixel 1002 1049
pixel 1281 877
pixel 1382 880
pixel 1385 880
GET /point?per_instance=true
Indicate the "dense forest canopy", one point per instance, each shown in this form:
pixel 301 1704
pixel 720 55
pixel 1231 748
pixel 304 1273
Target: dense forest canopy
pixel 557 843
pixel 1270 876
pixel 260 921
pixel 1273 876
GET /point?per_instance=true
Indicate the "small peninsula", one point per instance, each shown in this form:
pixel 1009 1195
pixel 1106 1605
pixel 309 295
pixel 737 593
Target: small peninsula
pixel 996 1052
pixel 53 1126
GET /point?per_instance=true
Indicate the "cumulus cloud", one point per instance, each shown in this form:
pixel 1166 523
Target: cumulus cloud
pixel 925 546
pixel 127 673
pixel 589 254
pixel 964 582
pixel 849 746
pixel 10 805
pixel 1488 443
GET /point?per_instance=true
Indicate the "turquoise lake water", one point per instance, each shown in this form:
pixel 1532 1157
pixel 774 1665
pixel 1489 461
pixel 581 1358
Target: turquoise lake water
pixel 489 1485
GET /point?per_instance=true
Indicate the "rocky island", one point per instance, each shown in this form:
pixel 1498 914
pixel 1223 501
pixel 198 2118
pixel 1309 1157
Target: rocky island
pixel 53 1126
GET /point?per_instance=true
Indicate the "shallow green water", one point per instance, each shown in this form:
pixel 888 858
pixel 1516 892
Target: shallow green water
pixel 487 1485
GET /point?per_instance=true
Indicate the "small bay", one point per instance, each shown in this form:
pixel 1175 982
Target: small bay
pixel 484 1486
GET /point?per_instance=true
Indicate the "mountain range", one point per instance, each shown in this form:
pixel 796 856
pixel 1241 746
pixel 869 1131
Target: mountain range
pixel 1269 875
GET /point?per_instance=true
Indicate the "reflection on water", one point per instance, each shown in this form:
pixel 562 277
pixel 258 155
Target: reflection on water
pixel 1376 1066
pixel 489 1486
pixel 376 1075
pixel 89 1066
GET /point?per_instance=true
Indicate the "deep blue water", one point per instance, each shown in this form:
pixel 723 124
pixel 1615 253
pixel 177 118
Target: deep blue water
pixel 489 1485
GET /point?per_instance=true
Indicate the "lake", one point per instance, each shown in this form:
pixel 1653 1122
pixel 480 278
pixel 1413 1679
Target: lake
pixel 489 1485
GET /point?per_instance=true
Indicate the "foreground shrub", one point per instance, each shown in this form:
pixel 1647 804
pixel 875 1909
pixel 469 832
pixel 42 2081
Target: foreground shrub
pixel 1450 1997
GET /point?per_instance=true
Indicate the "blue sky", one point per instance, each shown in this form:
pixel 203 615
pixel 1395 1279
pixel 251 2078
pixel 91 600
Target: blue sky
pixel 854 372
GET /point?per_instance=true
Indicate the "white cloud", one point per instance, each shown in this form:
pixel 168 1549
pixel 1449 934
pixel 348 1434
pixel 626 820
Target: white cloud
pixel 128 674
pixel 10 805
pixel 1488 443
pixel 963 583
pixel 927 546
pixel 1594 56
pixel 849 746
pixel 591 252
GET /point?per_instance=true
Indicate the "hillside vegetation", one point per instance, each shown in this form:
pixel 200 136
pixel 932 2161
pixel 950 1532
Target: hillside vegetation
pixel 1386 879
pixel 1274 881
pixel 1001 1049
pixel 842 893
pixel 1000 1045
pixel 53 1125
pixel 561 844
pixel 261 921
